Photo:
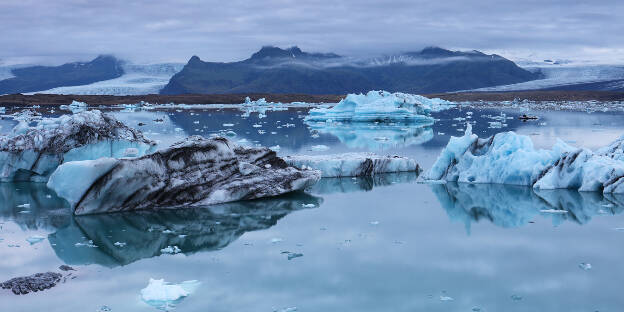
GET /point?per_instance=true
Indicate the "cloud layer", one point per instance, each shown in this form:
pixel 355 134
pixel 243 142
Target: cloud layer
pixel 150 31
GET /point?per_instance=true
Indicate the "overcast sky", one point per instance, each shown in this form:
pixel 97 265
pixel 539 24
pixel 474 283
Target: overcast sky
pixel 144 31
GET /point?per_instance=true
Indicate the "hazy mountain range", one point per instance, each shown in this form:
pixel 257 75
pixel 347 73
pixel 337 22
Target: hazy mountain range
pixel 291 70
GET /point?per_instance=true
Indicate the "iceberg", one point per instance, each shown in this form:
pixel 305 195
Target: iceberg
pixel 380 106
pixel 352 164
pixel 196 171
pixel 508 158
pixel 163 295
pixel 33 153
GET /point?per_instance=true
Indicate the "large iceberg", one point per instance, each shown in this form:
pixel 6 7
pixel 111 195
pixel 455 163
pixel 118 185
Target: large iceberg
pixel 32 153
pixel 380 106
pixel 353 164
pixel 196 171
pixel 508 158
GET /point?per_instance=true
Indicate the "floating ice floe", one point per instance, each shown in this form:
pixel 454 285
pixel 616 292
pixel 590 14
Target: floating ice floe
pixel 380 106
pixel 196 171
pixel 171 250
pixel 33 153
pixel 75 107
pixel 352 164
pixel 163 295
pixel 508 158
pixel 35 239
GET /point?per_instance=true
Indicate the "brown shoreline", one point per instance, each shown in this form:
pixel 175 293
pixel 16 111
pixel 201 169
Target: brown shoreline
pixel 106 100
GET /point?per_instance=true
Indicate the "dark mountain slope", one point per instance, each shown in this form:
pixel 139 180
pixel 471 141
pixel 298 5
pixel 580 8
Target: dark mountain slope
pixel 37 78
pixel 275 70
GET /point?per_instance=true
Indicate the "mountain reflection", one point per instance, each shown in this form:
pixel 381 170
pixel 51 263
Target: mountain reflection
pixel 374 136
pixel 360 184
pixel 513 206
pixel 145 233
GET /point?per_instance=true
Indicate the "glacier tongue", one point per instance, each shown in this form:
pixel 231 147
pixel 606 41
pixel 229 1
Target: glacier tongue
pixel 33 153
pixel 352 164
pixel 380 106
pixel 508 158
pixel 196 171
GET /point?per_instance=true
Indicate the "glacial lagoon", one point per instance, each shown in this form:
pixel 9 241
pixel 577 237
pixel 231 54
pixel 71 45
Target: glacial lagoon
pixel 383 243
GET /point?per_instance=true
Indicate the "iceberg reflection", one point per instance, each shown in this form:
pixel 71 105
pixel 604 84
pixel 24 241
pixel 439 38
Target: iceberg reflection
pixel 375 136
pixel 146 233
pixel 360 184
pixel 513 206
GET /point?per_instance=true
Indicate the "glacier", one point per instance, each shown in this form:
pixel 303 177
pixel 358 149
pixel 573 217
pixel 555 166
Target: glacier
pixel 32 153
pixel 352 164
pixel 508 158
pixel 194 172
pixel 137 79
pixel 380 106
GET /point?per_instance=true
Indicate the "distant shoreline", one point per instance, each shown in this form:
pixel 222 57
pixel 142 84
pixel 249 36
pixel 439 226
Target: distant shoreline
pixel 12 100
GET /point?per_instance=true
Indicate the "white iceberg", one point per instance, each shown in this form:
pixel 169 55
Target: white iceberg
pixel 163 295
pixel 196 172
pixel 380 106
pixel 508 158
pixel 352 164
pixel 33 153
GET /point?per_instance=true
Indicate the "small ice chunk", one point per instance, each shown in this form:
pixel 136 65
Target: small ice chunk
pixel 171 250
pixel 585 266
pixel 228 125
pixel 516 297
pixel 276 240
pixel 308 205
pixel 35 239
pixel 159 293
pixel 293 255
pixel 446 298
pixel 119 244
pixel 23 206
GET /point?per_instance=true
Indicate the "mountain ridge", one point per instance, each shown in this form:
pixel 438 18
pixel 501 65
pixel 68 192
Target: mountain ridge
pixel 291 70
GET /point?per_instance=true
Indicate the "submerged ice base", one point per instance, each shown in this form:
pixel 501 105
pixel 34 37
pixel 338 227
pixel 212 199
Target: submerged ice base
pixel 352 164
pixel 508 158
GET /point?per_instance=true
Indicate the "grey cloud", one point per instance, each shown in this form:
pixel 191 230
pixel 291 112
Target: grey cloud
pixel 149 31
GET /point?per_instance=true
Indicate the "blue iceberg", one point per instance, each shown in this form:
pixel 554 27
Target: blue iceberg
pixel 508 158
pixel 380 106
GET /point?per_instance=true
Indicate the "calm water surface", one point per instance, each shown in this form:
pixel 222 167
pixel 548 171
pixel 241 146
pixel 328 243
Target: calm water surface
pixel 387 243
